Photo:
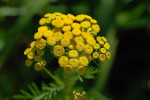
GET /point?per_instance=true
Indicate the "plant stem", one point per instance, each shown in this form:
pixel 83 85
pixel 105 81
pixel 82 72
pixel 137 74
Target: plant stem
pixel 68 86
pixel 52 76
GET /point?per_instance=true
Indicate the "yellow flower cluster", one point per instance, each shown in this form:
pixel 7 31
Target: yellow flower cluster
pixel 73 40
pixel 78 95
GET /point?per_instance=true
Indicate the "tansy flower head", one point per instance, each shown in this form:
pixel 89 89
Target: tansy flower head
pixel 72 39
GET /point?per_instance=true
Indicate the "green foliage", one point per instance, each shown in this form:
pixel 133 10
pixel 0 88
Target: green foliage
pixel 35 94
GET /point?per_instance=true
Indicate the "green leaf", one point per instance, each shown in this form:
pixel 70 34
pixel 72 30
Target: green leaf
pixel 26 94
pixel 80 78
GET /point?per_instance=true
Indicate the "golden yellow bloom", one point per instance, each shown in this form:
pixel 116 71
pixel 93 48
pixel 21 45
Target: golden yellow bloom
pixel 51 16
pixel 58 17
pixel 85 24
pixel 76 31
pixel 93 21
pixel 74 62
pixel 47 33
pixel 89 29
pixel 38 35
pixel 65 42
pixel 88 49
pixel 68 21
pixel 103 50
pixel 51 41
pixel 58 36
pixel 96 46
pixel 28 62
pixel 101 42
pixel 41 43
pixel 32 44
pixel 73 53
pixel 88 17
pixel 42 21
pixel 63 61
pixel 37 58
pixel 57 13
pixel 80 17
pixel 68 35
pixel 32 49
pixel 58 50
pixel 98 38
pixel 75 25
pixel 26 51
pixel 66 28
pixel 95 55
pixel 47 14
pixel 63 16
pixel 81 70
pixel 38 67
pixel 96 28
pixel 42 29
pixel 88 56
pixel 43 62
pixel 108 55
pixel 48 20
pixel 106 46
pixel 80 46
pixel 40 52
pixel 102 57
pixel 68 68
pixel 78 39
pixel 30 55
pixel 85 35
pixel 104 39
pixel 72 45
pixel 54 30
pixel 58 23
pixel 83 61
pixel 91 41
pixel 71 16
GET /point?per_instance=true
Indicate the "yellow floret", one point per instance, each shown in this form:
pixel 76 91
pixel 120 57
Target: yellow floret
pixel 96 46
pixel 102 57
pixel 80 17
pixel 42 21
pixel 30 55
pixel 68 21
pixel 66 28
pixel 104 39
pixel 95 55
pixel 80 46
pixel 33 44
pixel 76 31
pixel 56 30
pixel 58 23
pixel 103 50
pixel 81 70
pixel 40 52
pixel 51 16
pixel 51 41
pixel 108 55
pixel 88 17
pixel 75 25
pixel 83 61
pixel 85 35
pixel 58 18
pixel 78 39
pixel 72 45
pixel 38 67
pixel 57 13
pixel 98 38
pixel 58 36
pixel 41 43
pixel 47 33
pixel 91 41
pixel 63 61
pixel 38 35
pixel 73 53
pixel 71 16
pixel 101 42
pixel 96 28
pixel 73 62
pixel 65 42
pixel 88 56
pixel 58 50
pixel 43 62
pixel 88 49
pixel 48 20
pixel 37 58
pixel 68 68
pixel 106 46
pixel 85 24
pixel 68 35
pixel 93 21
pixel 28 62
pixel 27 51
pixel 42 29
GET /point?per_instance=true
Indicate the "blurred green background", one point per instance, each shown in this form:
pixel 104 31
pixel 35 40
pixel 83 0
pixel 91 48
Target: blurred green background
pixel 125 23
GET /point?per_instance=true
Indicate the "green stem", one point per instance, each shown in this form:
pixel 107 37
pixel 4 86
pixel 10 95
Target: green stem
pixel 68 86
pixel 52 76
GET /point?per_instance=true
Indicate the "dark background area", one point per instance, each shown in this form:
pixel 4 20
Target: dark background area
pixel 125 23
